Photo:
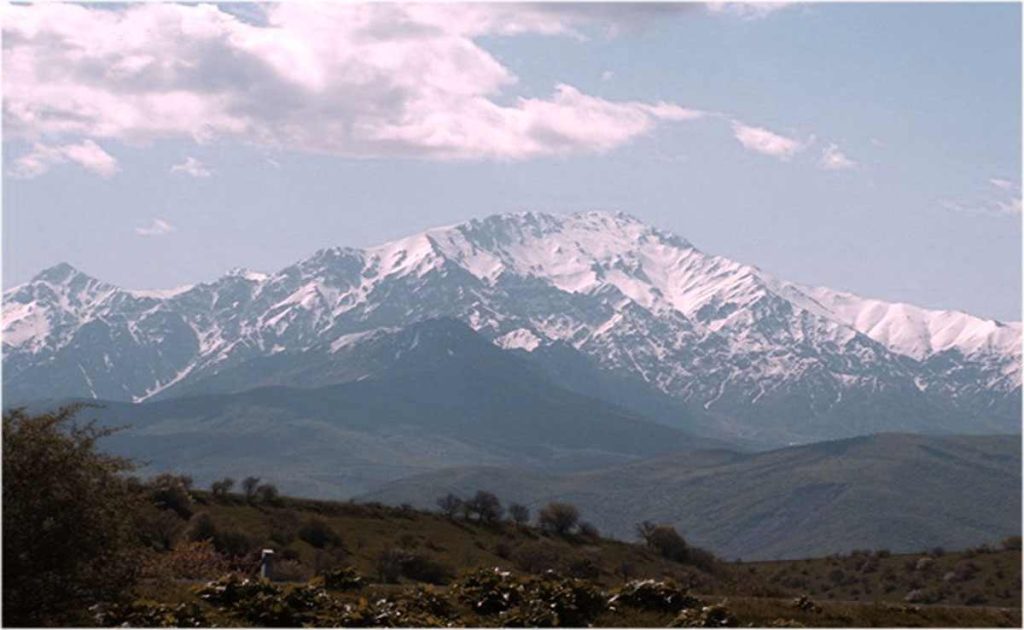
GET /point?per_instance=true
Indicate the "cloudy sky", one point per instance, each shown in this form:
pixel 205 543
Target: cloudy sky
pixel 872 148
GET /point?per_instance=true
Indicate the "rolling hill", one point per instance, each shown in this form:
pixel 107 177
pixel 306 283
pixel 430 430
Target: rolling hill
pixel 896 491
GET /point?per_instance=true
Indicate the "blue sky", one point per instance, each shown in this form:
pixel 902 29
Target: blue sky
pixel 872 148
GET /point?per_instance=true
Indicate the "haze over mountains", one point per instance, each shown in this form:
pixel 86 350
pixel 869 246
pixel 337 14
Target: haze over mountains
pixel 430 396
pixel 896 491
pixel 715 346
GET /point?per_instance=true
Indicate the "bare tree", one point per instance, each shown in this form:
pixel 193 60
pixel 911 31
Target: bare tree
pixel 520 513
pixel 249 485
pixel 449 505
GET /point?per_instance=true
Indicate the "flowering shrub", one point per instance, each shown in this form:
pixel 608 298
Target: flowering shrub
pixel 654 595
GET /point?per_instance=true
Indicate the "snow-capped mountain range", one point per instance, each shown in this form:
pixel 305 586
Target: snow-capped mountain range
pixel 760 355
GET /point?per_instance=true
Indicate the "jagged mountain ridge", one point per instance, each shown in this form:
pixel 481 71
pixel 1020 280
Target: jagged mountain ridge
pixel 771 358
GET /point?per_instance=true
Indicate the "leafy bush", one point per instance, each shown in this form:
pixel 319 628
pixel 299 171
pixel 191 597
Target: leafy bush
pixel 425 569
pixel 267 493
pixel 537 557
pixel 202 527
pixel 344 579
pixel 147 614
pixel 554 601
pixel 69 530
pixel 318 533
pixel 289 570
pixel 284 527
pixel 714 616
pixel 171 492
pixel 559 518
pixel 667 543
pixel 233 542
pixel 661 596
pixel 489 591
pixel 189 560
pixel 158 529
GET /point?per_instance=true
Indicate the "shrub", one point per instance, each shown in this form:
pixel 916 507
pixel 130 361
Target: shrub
pixel 158 529
pixel 389 566
pixel 425 569
pixel 489 591
pixel 267 493
pixel 449 505
pixel 202 527
pixel 583 568
pixel 190 560
pixel 233 543
pixel 559 518
pixel 69 540
pixel 664 540
pixel 284 527
pixel 557 602
pixel 1011 543
pixel 714 616
pixel 171 492
pixel 343 579
pixel 588 531
pixel 536 557
pixel 146 614
pixel 318 533
pixel 283 570
pixel 325 560
pixel 519 513
pixel 653 595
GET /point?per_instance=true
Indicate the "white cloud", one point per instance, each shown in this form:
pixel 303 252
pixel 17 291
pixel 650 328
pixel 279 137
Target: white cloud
pixel 1005 201
pixel 746 10
pixel 832 159
pixel 766 142
pixel 192 167
pixel 607 75
pixel 157 227
pixel 353 79
pixel 86 154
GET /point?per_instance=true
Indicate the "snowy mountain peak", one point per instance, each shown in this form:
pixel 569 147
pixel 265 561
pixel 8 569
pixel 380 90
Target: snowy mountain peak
pixel 57 274
pixel 638 301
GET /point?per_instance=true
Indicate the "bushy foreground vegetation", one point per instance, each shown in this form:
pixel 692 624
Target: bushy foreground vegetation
pixel 85 544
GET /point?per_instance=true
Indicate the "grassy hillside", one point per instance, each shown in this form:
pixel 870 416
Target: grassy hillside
pixel 897 491
pixel 451 553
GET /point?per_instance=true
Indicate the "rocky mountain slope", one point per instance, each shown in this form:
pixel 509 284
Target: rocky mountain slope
pixel 765 359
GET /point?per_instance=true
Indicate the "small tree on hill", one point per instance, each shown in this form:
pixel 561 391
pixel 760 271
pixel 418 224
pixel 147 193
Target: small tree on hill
pixel 559 518
pixel 249 485
pixel 267 493
pixel 449 505
pixel 221 489
pixel 519 513
pixel 486 506
pixel 666 541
